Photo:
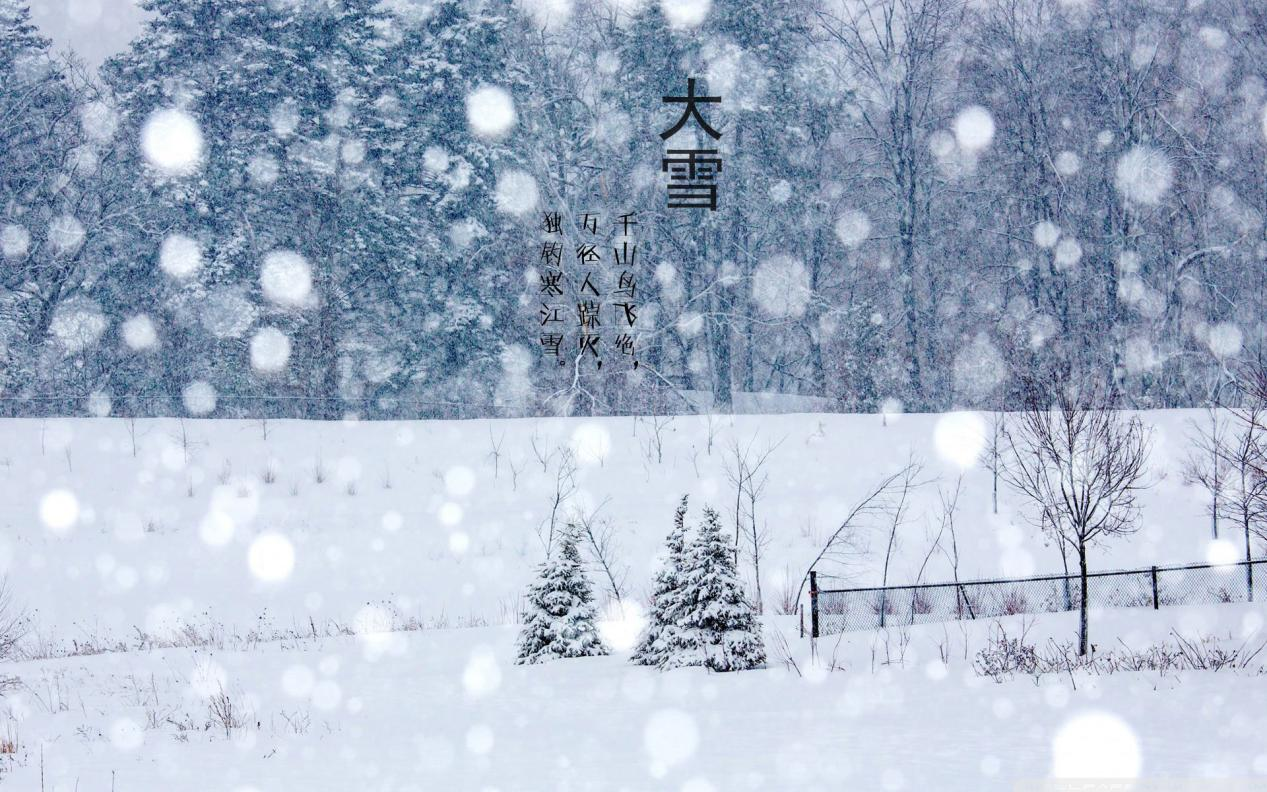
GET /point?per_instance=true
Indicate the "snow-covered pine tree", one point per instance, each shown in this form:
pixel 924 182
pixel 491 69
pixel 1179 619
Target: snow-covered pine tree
pixel 717 627
pixel 559 622
pixel 666 598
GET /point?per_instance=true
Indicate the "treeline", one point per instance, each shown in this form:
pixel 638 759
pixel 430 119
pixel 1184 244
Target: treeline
pixel 316 209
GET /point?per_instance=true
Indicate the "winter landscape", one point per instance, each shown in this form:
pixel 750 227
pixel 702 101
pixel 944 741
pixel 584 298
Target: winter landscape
pixel 382 409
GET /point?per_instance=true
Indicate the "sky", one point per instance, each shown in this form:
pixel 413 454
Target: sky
pixel 96 29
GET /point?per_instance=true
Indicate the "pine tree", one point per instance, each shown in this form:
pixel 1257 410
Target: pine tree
pixel 666 599
pixel 560 618
pixel 717 627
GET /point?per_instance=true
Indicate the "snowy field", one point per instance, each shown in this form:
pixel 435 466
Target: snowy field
pixel 441 521
pixel 447 710
pixel 137 536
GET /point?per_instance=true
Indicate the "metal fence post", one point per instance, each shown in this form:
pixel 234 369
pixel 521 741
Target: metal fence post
pixel 1156 601
pixel 813 604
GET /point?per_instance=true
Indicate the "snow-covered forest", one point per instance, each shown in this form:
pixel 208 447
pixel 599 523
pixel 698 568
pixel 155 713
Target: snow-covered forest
pixel 320 209
pixel 933 458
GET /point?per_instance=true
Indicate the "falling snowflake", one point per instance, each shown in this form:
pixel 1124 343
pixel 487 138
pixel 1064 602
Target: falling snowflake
pixel 853 227
pixel 99 404
pixel 685 14
pixel 974 128
pixel 516 193
pixel 77 324
pixel 780 287
pixel 1144 175
pixel 59 510
pixel 1046 234
pixel 66 234
pixel 271 557
pixel 286 278
pixel 959 438
pixel 179 256
pixel 670 737
pixel 199 398
pixel 1225 340
pixel 172 142
pixel 547 14
pixel 490 112
pixel 227 312
pixel 591 442
pixel 1095 745
pixel 978 369
pixel 1068 163
pixel 15 241
pixel 1068 252
pixel 270 350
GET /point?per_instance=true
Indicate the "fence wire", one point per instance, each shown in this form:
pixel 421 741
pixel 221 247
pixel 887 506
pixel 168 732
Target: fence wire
pixel 836 610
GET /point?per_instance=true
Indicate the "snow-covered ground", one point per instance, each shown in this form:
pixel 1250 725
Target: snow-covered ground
pixel 440 521
pixel 447 709
pixel 224 527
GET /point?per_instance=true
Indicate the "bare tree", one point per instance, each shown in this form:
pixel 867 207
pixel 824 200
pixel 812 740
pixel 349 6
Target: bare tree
pixel 895 55
pixel 745 473
pixel 845 545
pixel 1246 500
pixel 564 488
pixel 1208 464
pixel 600 537
pixel 903 487
pixel 1082 464
pixel 13 622
pixel 994 457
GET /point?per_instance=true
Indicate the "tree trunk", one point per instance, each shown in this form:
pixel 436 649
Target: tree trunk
pixel 1082 606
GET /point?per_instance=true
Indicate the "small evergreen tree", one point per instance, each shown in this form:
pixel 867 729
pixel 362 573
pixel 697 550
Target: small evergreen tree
pixel 560 618
pixel 717 627
pixel 666 600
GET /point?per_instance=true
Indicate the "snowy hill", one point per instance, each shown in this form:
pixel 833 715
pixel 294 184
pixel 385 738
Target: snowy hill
pixel 155 522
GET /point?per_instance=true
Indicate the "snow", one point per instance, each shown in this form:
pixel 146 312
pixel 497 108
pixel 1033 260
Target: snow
pixel 228 312
pixel 15 241
pixel 547 14
pixel 450 711
pixel 77 324
pixel 1225 339
pixel 271 557
pixel 172 142
pixel 978 368
pixel 685 14
pixel 974 128
pixel 262 170
pixel 66 234
pixel 98 120
pixel 139 333
pixel 490 112
pixel 270 350
pixel 284 118
pixel 286 278
pixel 59 510
pixel 781 287
pixel 199 398
pixel 1096 744
pixel 1046 233
pixel 516 193
pixel 1068 253
pixel 852 228
pixel 447 708
pixel 960 438
pixel 1068 163
pixel 1144 175
pixel 1221 551
pixel 180 256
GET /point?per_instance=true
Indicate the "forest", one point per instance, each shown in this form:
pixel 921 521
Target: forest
pixel 330 209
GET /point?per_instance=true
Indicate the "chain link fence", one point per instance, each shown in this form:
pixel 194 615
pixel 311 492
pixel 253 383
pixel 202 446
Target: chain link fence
pixel 836 610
